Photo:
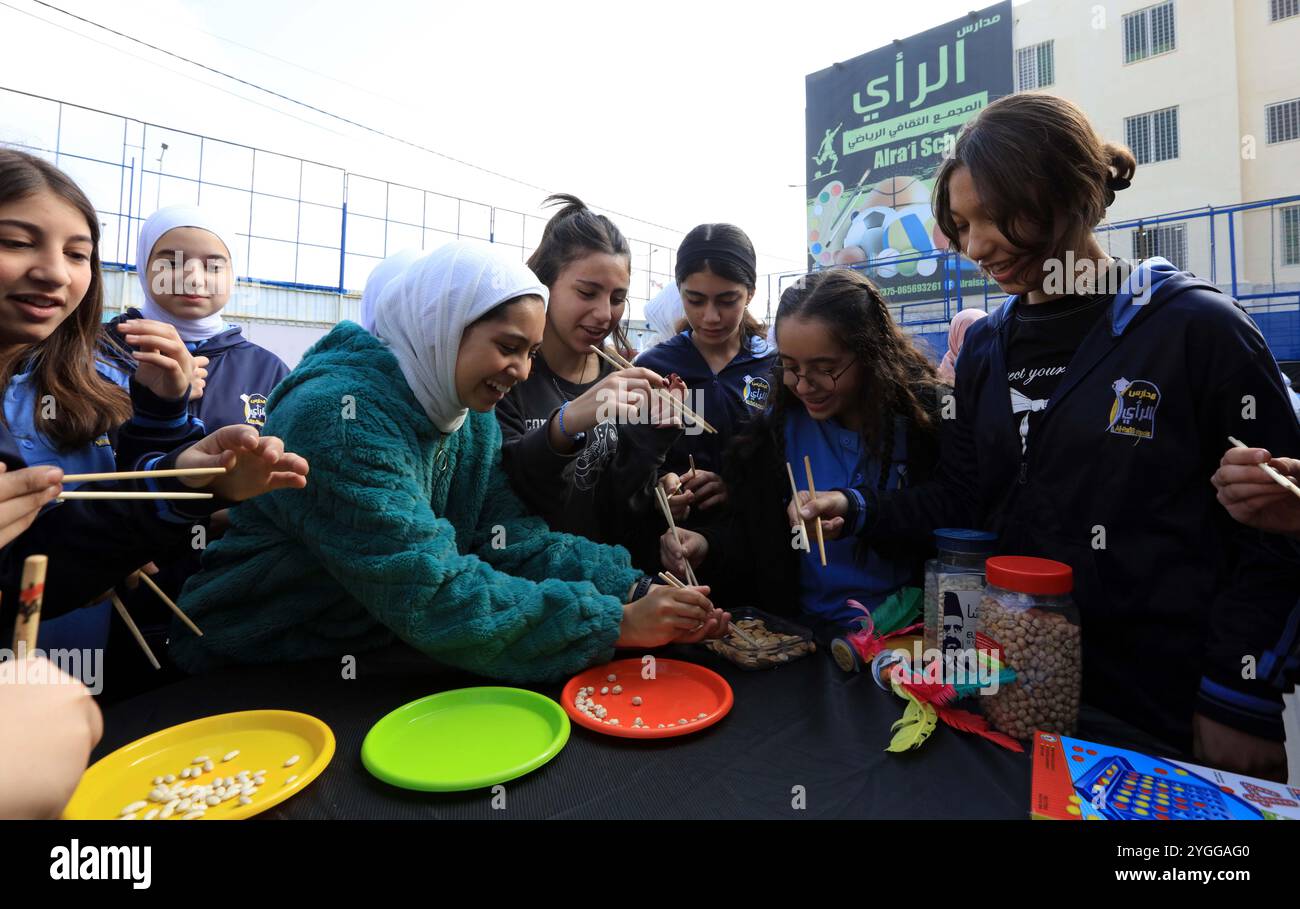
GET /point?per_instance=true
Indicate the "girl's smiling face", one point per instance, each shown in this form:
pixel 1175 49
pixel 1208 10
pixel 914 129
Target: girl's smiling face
pixel 497 352
pixel 45 266
pixel 982 242
pixel 190 273
pixel 809 347
pixel 588 298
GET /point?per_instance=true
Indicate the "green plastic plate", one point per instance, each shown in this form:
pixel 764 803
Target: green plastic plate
pixel 469 738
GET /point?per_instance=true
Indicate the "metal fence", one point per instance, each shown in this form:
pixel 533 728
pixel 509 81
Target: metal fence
pixel 1250 251
pixel 304 225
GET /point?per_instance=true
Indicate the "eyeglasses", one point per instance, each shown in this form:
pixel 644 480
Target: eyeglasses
pixel 823 379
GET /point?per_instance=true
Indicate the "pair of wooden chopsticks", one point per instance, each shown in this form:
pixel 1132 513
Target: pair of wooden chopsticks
pixel 32 594
pixel 135 631
pixel 690 475
pixel 138 475
pixel 618 362
pixel 812 492
pixel 672 525
pixel 1279 478
pixel 731 626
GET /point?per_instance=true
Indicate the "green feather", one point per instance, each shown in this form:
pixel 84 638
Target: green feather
pixel 898 611
pixel 916 724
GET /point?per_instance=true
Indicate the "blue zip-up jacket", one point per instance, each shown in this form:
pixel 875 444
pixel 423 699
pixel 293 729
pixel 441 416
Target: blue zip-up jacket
pixel 727 400
pixel 241 375
pixel 1183 610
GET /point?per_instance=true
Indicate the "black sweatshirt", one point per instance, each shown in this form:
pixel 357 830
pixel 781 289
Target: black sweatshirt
pixel 1183 610
pixel 605 490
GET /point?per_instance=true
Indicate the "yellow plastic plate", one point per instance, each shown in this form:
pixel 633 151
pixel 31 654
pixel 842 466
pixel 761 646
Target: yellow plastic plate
pixel 265 739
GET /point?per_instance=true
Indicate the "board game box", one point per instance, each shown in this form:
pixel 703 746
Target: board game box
pixel 1076 780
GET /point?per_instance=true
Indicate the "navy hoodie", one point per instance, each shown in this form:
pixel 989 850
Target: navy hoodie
pixel 1183 610
pixel 240 375
pixel 727 400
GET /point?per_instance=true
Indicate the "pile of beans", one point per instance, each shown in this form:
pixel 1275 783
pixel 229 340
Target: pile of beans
pixel 1042 646
pixel 774 647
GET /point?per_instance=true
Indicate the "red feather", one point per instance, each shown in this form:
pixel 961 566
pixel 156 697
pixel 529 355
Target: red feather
pixel 966 721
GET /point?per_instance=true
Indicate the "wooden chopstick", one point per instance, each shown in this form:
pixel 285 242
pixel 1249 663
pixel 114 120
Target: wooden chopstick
pixel 30 597
pixel 1279 478
pixel 812 493
pixel 668 514
pixel 620 363
pixel 731 626
pixel 168 600
pixel 135 632
pixel 794 491
pixel 143 474
pixel 75 494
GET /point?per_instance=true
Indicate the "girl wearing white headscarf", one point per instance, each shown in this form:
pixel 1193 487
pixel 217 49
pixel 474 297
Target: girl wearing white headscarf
pixel 384 272
pixel 187 264
pixel 409 530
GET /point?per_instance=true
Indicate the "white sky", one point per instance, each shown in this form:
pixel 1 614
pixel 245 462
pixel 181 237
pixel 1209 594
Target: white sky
pixel 674 112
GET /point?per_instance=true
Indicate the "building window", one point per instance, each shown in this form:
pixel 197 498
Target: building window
pixel 1283 9
pixel 1154 136
pixel 1149 32
pixel 1168 241
pixel 1291 235
pixel 1036 66
pixel 1283 120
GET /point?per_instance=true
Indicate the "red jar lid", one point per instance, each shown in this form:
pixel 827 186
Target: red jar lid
pixel 1027 575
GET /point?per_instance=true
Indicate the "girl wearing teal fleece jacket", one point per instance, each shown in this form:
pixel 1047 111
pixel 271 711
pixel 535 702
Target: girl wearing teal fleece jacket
pixel 408 528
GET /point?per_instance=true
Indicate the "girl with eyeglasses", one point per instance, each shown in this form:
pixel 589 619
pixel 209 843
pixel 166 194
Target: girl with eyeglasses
pixel 861 401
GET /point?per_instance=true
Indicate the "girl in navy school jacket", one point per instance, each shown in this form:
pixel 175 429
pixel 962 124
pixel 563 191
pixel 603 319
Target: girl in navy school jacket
pixel 1091 410
pixel 186 264
pixel 721 355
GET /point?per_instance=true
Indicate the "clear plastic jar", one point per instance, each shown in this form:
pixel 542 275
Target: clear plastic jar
pixel 954 584
pixel 1028 619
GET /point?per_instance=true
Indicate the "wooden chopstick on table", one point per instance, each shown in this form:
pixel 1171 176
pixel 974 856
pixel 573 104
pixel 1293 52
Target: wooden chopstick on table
pixel 1279 478
pixel 812 492
pixel 618 362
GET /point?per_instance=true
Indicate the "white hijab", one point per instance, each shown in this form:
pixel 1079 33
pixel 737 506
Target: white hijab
pixel 423 312
pixel 384 272
pixel 159 223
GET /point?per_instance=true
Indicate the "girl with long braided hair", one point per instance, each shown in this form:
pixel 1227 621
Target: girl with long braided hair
pixel 856 396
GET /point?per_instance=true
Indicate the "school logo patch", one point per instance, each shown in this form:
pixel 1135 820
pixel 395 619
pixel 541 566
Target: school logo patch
pixel 1134 412
pixel 757 391
pixel 254 409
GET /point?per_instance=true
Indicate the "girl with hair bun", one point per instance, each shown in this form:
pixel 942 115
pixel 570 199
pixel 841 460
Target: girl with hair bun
pixel 584 442
pixel 1091 410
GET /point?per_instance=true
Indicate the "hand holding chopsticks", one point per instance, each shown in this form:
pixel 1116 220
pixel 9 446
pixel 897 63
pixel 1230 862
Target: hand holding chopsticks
pixel 1255 492
pixel 669 578
pixel 618 362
